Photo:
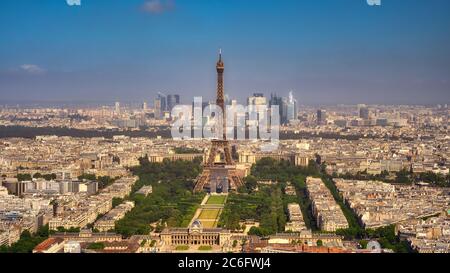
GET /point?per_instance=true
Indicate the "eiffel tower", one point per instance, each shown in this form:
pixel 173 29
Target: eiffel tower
pixel 213 170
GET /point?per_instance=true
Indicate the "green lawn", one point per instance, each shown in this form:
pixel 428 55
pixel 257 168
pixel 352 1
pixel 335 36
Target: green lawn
pixel 205 248
pixel 209 224
pixel 216 200
pixel 182 248
pixel 209 214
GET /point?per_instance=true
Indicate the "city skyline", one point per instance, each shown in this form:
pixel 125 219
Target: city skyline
pixel 270 192
pixel 225 127
pixel 324 52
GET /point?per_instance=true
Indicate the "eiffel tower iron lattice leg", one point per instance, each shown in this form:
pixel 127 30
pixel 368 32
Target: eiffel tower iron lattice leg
pixel 204 179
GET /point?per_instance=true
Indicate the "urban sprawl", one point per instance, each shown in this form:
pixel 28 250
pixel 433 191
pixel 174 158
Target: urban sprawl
pixel 388 164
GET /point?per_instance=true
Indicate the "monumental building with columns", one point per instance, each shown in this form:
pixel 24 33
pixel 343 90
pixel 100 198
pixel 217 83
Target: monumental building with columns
pixel 195 235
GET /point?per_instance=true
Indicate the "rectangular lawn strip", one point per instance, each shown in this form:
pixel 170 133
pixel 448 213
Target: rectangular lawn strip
pixel 216 200
pixel 205 248
pixel 209 214
pixel 182 248
pixel 209 224
pixel 209 217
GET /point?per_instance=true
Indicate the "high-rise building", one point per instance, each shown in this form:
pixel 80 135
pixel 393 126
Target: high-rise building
pixel 228 101
pixel 163 99
pixel 160 105
pixel 321 117
pixel 257 99
pixel 291 108
pixel 364 112
pixel 257 103
pixel 278 101
pixel 144 106
pixel 117 108
pixel 172 101
pixel 284 111
pixel 287 107
pixel 157 108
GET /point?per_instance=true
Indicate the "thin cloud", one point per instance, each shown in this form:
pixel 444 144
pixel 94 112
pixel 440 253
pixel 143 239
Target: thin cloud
pixel 32 69
pixel 158 6
pixel 73 2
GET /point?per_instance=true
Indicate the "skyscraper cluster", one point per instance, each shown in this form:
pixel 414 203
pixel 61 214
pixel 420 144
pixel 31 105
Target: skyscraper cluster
pixel 164 104
pixel 288 107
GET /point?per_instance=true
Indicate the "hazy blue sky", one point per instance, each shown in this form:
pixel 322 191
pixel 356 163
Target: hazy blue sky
pixel 326 51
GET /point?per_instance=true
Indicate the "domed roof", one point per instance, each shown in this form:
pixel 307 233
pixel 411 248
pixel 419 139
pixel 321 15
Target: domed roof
pixel 197 224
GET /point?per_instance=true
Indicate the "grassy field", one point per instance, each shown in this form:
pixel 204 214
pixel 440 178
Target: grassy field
pixel 209 224
pixel 205 248
pixel 216 200
pixel 182 248
pixel 209 217
pixel 209 214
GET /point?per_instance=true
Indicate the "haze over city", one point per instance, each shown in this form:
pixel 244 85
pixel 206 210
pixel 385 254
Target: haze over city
pixel 326 53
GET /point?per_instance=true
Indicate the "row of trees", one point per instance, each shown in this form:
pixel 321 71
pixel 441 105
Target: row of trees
pixel 184 150
pixel 433 178
pixel 103 181
pixel 299 183
pixel 384 235
pixel 402 177
pixel 28 177
pixel 281 171
pixel 32 132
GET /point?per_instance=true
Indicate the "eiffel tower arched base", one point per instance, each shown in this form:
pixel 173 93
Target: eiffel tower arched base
pixel 225 177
